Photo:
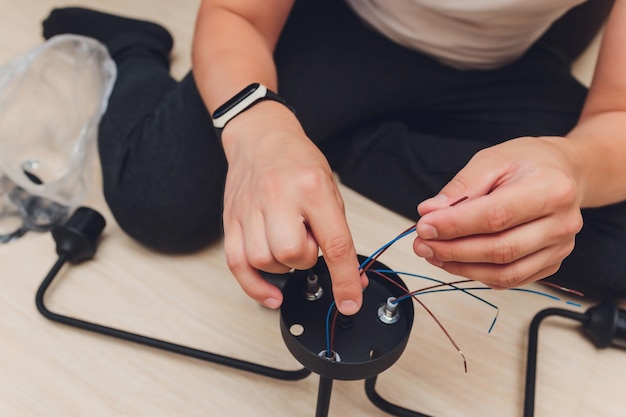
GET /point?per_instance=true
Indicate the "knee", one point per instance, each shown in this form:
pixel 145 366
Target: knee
pixel 166 224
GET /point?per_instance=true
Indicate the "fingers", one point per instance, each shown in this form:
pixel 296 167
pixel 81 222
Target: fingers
pixel 477 178
pixel 517 225
pixel 502 260
pixel 503 247
pixel 502 194
pixel 278 242
pixel 290 241
pixel 268 246
pixel 281 207
pixel 533 267
pixel 281 240
pixel 503 209
pixel 280 251
pixel 331 232
pixel 248 277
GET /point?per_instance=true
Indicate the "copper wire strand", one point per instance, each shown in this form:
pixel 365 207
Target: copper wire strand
pixel 441 326
pixel 460 200
pixel 561 288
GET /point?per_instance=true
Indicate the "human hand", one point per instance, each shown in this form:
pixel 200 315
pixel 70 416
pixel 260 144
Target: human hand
pixel 519 221
pixel 281 206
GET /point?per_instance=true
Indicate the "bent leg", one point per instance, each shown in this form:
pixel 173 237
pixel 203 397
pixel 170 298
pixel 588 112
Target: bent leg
pixel 163 168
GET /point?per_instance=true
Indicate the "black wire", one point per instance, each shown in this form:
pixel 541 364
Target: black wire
pixel 386 406
pixel 156 343
pixel 531 361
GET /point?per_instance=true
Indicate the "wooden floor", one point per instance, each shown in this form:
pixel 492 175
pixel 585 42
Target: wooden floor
pixel 51 370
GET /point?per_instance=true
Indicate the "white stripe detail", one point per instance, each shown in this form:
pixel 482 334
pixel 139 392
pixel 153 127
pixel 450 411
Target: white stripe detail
pixel 257 94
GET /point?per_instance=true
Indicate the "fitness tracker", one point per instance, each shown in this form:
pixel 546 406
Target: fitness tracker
pixel 243 100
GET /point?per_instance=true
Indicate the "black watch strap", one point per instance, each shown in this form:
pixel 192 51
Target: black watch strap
pixel 243 100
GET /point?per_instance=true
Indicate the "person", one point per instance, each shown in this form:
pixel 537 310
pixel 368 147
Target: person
pixel 408 102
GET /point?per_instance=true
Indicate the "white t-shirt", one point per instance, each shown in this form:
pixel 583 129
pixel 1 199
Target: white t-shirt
pixel 468 34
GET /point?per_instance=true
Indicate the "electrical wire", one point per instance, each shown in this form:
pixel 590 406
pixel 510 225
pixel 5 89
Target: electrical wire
pixel 365 267
pixel 434 289
pixel 441 326
pixel 562 288
pixel 328 339
pixel 374 256
pixel 367 262
pixel 451 284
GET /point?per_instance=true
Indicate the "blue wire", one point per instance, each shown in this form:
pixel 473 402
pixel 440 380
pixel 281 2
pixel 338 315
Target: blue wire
pixel 553 297
pixel 409 295
pixel 573 304
pixel 365 262
pixel 328 329
pixel 386 245
pixel 404 297
pixel 454 288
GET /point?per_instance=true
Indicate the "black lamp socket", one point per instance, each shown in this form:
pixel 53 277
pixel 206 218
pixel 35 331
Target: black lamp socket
pixel 77 237
pixel 606 324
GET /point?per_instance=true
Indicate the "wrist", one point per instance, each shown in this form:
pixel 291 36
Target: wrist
pixel 251 126
pixel 573 152
pixel 241 102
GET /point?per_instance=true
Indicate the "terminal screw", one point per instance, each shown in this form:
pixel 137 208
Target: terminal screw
pixel 314 290
pixel 388 313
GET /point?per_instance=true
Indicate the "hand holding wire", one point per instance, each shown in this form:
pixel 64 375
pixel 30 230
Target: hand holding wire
pixel 519 222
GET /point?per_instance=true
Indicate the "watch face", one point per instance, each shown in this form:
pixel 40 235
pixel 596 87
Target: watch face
pixel 224 108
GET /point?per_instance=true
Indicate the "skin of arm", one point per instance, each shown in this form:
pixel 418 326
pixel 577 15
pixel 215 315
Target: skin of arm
pixel 281 202
pixel 525 194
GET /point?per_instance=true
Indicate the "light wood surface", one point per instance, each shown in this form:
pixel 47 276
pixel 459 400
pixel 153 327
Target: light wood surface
pixel 51 370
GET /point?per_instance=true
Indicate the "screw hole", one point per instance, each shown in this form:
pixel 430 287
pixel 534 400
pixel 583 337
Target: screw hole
pixel 296 330
pixel 375 353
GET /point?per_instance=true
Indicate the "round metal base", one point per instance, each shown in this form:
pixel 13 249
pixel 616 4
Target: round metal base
pixel 362 345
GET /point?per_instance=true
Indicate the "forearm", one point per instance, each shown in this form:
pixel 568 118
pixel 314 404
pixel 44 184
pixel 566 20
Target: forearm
pixel 598 143
pixel 233 46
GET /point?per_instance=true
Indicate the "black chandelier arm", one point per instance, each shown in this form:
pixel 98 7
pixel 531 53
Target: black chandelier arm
pixel 384 405
pixel 531 360
pixel 270 372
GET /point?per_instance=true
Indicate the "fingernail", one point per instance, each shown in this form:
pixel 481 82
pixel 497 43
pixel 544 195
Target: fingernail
pixel 424 251
pixel 348 307
pixel 427 231
pixel 272 303
pixel 434 198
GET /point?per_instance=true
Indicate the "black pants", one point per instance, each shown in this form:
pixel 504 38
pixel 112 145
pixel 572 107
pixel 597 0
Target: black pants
pixel 395 124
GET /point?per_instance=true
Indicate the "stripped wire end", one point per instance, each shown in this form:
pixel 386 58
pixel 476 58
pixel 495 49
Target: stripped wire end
pixel 464 360
pixel 564 289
